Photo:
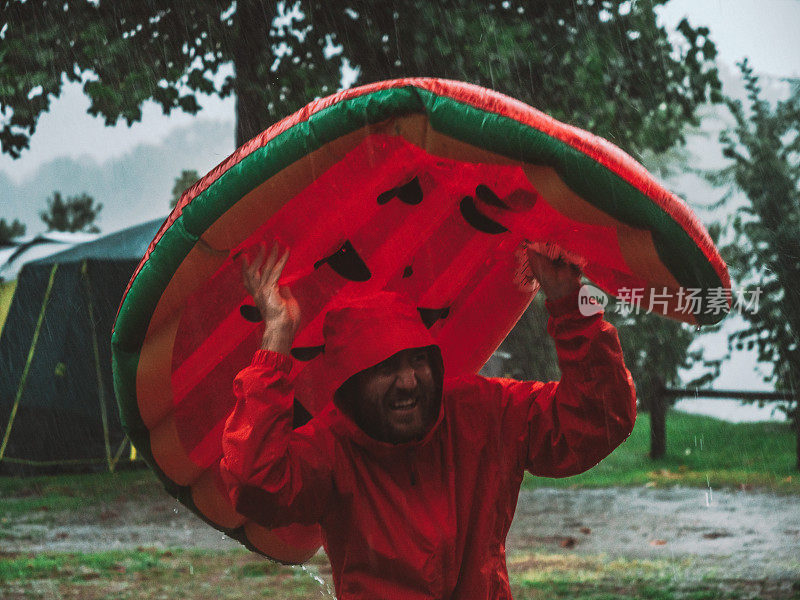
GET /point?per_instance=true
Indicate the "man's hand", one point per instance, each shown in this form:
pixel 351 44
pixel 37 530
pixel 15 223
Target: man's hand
pixel 277 306
pixel 557 276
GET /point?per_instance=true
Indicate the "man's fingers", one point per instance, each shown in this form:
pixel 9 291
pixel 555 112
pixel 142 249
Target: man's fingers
pixel 259 258
pixel 278 269
pixel 246 279
pixel 261 276
pixel 250 268
pixel 269 265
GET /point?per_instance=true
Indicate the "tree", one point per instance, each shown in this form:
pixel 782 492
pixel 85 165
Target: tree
pixel 764 149
pixel 9 231
pixel 183 182
pixel 76 213
pixel 605 66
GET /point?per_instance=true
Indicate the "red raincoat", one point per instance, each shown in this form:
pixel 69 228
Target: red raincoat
pixel 425 519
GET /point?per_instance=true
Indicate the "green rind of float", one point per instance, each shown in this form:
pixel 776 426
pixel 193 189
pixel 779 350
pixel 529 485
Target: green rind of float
pixel 592 181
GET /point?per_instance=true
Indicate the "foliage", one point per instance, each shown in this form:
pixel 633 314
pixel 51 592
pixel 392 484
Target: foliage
pixel 9 231
pixel 764 253
pixel 605 66
pixel 183 182
pixel 76 213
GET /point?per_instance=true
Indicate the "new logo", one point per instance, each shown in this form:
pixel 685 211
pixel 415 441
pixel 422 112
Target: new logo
pixel 591 300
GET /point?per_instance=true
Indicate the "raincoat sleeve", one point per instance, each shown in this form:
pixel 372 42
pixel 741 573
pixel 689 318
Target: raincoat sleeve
pixel 274 474
pixel 574 423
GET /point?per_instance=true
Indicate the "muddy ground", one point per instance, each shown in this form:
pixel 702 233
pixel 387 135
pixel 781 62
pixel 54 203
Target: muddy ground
pixel 737 534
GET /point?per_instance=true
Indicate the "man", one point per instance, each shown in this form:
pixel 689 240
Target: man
pixel 413 477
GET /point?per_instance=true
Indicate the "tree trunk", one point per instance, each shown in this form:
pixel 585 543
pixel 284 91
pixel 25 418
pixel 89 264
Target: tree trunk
pixel 796 423
pixel 658 422
pixel 251 59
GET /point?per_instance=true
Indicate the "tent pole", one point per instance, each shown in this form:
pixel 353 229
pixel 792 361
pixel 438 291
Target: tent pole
pixel 28 362
pixel 101 392
pixel 118 453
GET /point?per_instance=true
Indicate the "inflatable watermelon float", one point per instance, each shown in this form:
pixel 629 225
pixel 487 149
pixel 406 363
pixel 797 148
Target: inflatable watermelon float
pixel 424 187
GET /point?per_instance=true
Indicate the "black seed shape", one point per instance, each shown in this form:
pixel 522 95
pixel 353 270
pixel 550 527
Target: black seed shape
pixel 485 194
pixel 408 272
pixel 307 353
pixel 480 222
pixel 431 315
pixel 347 263
pixel 409 193
pixel 250 313
pixel 300 414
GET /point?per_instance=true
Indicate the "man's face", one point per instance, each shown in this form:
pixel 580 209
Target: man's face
pixel 396 399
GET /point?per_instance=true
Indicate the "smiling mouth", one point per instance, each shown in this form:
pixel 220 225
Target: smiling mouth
pixel 403 404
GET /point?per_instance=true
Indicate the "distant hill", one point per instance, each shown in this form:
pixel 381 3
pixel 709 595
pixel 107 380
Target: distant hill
pixel 133 188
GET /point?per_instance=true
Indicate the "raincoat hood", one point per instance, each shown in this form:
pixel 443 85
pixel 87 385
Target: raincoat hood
pixel 368 330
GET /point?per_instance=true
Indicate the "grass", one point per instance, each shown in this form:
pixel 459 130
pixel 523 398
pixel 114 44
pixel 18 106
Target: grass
pixel 536 575
pixel 204 575
pixel 701 451
pixel 79 565
pixel 154 573
pixel 44 494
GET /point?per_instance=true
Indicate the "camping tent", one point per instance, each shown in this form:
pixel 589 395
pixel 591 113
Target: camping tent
pixel 16 253
pixel 57 407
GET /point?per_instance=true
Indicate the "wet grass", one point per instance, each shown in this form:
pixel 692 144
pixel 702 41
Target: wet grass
pixel 155 573
pixel 37 497
pixel 536 575
pixel 701 451
pixel 78 566
pixel 152 573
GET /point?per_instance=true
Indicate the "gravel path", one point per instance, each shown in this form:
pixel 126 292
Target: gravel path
pixel 748 535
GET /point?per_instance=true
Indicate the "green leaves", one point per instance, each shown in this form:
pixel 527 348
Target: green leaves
pixel 9 231
pixel 765 252
pixel 597 65
pixel 76 213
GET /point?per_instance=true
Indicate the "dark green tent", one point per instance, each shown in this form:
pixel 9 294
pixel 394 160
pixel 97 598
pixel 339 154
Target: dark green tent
pixel 57 406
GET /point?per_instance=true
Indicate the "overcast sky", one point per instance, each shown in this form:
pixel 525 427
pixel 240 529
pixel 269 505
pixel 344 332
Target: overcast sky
pixel 766 31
